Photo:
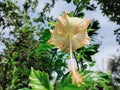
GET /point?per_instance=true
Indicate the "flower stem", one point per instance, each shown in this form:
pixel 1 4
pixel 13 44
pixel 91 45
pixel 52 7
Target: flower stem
pixel 72 61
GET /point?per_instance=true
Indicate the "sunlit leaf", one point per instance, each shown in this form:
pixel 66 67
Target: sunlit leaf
pixel 39 80
pixel 24 89
pixel 52 23
pixel 90 29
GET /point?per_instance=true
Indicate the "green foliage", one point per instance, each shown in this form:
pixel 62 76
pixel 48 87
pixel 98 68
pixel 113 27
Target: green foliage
pixel 76 2
pixel 52 23
pixel 84 56
pixel 92 81
pixel 39 80
pixel 68 1
pixel 24 89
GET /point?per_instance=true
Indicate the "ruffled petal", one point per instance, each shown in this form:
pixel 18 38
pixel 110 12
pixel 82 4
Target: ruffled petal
pixel 67 27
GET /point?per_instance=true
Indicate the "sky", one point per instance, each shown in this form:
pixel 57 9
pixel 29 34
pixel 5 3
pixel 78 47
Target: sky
pixel 109 46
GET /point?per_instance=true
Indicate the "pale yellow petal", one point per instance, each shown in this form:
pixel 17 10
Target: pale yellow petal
pixel 67 27
pixel 81 26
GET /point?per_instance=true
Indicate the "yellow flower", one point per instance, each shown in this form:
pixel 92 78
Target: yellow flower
pixel 69 29
pixel 69 34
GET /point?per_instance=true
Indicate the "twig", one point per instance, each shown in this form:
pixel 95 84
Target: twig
pixel 77 8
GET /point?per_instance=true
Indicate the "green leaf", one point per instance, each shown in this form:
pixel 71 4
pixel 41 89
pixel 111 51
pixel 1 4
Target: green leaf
pixel 39 80
pixel 85 1
pixel 24 89
pixel 75 2
pixel 45 35
pixel 90 29
pixel 52 23
pixel 80 14
pixel 81 8
pixel 68 1
pixel 14 55
pixel 71 14
pixel 42 48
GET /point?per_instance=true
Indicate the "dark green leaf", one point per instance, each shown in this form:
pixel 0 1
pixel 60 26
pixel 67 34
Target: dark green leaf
pixel 68 1
pixel 76 2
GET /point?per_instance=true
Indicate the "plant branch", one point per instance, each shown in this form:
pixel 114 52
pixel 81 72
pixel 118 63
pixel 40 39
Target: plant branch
pixel 78 5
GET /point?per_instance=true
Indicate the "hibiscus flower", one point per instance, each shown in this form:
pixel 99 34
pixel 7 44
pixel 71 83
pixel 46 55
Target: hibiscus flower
pixel 69 34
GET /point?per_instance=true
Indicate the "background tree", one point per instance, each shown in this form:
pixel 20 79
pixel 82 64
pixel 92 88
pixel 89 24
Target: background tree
pixel 23 46
pixel 114 67
pixel 111 8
